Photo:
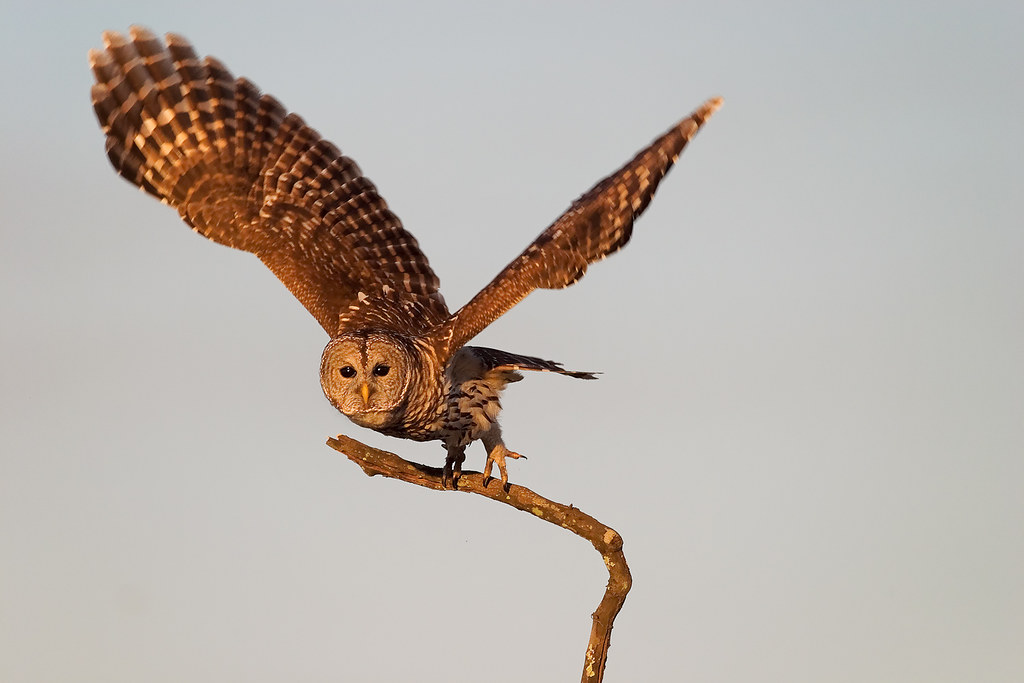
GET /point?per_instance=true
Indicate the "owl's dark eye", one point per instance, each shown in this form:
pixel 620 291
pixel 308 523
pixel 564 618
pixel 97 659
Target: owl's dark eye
pixel 380 369
pixel 348 372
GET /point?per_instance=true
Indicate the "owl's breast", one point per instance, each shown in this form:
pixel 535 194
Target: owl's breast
pixel 424 413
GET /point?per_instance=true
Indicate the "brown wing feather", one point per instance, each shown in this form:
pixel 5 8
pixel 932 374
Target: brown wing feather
pixel 597 224
pixel 243 172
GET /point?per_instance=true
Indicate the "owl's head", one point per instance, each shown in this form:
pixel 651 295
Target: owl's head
pixel 366 376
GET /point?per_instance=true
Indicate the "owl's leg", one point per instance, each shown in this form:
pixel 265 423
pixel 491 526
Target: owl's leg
pixel 453 466
pixel 496 454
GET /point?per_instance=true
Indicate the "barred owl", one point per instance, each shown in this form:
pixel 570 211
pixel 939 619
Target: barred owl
pixel 244 172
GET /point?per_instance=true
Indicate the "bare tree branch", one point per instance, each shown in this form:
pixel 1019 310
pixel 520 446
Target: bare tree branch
pixel 605 539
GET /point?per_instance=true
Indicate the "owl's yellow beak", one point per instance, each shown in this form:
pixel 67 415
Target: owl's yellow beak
pixel 365 391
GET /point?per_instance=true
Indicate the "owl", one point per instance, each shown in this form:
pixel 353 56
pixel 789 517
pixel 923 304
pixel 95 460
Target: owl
pixel 244 172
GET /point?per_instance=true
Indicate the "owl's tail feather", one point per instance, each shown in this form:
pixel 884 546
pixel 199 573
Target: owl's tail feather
pixel 495 359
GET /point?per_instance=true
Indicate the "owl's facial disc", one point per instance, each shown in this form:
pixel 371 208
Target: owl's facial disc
pixel 365 377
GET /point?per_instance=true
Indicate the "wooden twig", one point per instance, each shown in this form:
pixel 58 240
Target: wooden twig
pixel 605 539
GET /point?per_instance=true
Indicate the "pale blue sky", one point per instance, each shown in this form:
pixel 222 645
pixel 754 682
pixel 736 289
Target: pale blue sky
pixel 810 426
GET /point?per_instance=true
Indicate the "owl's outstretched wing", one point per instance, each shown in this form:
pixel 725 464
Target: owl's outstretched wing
pixel 597 224
pixel 244 172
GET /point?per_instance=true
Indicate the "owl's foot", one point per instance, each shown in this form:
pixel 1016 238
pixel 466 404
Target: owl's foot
pixel 453 468
pixel 497 456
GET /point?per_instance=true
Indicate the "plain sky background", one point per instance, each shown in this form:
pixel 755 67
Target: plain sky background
pixel 810 430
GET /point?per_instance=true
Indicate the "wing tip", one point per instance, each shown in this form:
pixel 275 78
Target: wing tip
pixel 706 110
pixel 113 40
pixel 689 126
pixel 138 32
pixel 98 58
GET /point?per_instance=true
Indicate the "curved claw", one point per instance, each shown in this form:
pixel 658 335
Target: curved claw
pixel 452 471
